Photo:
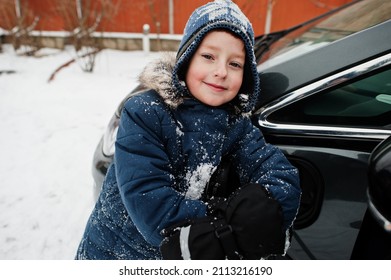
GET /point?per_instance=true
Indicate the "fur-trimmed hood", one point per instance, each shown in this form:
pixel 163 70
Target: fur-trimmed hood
pixel 157 75
pixel 160 76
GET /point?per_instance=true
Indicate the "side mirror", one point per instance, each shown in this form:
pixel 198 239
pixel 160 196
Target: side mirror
pixel 379 189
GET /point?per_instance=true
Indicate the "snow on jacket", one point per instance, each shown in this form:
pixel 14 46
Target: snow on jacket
pixel 166 150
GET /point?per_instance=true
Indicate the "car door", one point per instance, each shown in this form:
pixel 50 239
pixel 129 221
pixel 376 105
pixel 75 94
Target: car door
pixel 328 129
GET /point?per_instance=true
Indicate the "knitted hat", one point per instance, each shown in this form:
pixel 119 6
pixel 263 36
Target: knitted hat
pixel 217 15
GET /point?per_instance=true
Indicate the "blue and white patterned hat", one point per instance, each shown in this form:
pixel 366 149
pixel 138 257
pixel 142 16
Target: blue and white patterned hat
pixel 220 14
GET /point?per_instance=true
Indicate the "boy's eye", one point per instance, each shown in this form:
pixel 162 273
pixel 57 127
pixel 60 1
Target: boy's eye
pixel 207 56
pixel 236 64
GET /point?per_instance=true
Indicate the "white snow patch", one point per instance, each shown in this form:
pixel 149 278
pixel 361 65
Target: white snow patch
pixel 198 179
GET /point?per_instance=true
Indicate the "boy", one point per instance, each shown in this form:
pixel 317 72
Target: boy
pixel 171 139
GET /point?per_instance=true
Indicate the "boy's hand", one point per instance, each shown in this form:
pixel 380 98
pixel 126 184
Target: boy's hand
pixel 256 220
pixel 206 238
pixel 246 225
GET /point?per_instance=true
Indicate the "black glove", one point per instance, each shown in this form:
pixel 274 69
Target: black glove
pixel 247 225
pixel 256 220
pixel 206 238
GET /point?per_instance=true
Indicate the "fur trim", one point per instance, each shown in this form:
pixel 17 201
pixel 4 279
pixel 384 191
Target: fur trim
pixel 157 75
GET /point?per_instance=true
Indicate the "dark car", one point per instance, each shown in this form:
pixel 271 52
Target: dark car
pixel 326 103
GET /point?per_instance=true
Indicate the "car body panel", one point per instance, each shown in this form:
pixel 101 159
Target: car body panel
pixel 342 184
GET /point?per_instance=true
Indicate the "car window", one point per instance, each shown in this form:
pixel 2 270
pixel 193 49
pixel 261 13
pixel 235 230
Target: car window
pixel 365 103
pixel 326 30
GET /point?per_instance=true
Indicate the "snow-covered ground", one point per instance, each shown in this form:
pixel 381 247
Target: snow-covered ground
pixel 48 135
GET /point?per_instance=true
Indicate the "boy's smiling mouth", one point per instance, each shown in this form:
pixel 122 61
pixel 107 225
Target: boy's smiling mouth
pixel 216 87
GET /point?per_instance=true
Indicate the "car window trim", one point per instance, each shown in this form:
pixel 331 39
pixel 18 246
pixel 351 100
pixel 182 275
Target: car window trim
pixel 318 86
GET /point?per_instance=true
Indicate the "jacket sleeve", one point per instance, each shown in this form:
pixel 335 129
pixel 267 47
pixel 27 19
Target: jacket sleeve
pixel 145 174
pixel 260 162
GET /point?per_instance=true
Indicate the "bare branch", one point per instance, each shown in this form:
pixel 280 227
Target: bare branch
pixel 82 19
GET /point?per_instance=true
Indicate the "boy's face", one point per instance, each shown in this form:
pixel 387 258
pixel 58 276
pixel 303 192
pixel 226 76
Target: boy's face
pixel 215 71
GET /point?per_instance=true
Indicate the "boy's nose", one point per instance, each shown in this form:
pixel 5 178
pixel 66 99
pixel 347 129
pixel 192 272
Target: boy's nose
pixel 220 70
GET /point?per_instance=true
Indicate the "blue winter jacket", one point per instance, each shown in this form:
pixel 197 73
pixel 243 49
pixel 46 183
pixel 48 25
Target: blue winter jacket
pixel 166 151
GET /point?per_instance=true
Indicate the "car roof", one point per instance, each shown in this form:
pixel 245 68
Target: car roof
pixel 288 75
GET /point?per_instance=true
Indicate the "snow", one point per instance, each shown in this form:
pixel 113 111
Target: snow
pixel 49 131
pixel 198 179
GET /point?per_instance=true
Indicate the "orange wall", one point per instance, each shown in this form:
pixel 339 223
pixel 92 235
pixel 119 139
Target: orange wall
pixel 132 14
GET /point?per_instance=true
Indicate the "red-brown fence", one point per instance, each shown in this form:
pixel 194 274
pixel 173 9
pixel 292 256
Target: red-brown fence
pixel 131 15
